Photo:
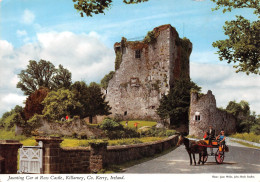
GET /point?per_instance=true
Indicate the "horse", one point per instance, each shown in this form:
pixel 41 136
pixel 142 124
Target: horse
pixel 193 148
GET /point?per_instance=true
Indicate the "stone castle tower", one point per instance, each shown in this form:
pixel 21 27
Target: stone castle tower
pixel 145 71
pixel 204 112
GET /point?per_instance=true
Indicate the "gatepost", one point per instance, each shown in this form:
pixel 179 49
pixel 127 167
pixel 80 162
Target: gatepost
pixel 8 156
pixel 98 152
pixel 51 154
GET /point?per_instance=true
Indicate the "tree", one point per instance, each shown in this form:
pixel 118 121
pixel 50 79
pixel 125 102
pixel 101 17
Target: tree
pixel 175 105
pixel 59 104
pixel 62 78
pixel 241 111
pixel 97 104
pixel 15 116
pixel 242 45
pixel 256 127
pixel 33 104
pixel 90 7
pixel 104 82
pixel 43 74
pixel 91 98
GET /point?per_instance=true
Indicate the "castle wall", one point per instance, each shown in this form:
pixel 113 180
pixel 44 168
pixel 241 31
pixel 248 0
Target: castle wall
pixel 204 112
pixel 138 85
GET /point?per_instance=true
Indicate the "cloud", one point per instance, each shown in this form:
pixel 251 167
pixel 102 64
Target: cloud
pixel 84 55
pixel 28 17
pixel 227 85
pixel 21 33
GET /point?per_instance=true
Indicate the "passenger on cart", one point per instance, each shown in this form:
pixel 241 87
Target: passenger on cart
pixel 221 138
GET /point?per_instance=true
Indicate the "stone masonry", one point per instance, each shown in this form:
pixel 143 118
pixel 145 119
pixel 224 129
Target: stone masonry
pixel 204 112
pixel 146 73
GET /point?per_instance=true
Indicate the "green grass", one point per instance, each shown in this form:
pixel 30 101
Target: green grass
pixel 141 123
pixel 10 135
pixel 247 136
pixel 71 142
pixel 127 141
pixel 245 144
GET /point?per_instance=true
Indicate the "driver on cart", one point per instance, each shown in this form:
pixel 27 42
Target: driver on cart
pixel 211 136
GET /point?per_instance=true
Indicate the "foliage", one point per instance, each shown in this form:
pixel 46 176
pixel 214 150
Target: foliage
pixel 252 137
pixel 10 135
pixel 32 124
pixel 90 7
pixel 118 60
pixel 243 41
pixel 92 100
pixel 256 127
pixel 150 37
pixel 33 104
pixel 62 78
pixel 114 130
pixel 59 104
pixel 176 104
pixel 110 124
pixel 15 116
pixel 244 119
pixel 43 74
pixel 106 79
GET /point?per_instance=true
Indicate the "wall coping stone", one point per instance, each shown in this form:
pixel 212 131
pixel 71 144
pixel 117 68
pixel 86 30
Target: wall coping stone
pixel 75 148
pixel 10 142
pixel 49 139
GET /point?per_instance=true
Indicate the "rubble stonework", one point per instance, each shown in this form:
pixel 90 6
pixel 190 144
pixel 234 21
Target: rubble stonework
pixel 146 72
pixel 204 112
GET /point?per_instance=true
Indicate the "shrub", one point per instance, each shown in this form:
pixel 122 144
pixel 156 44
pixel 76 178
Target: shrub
pixel 110 125
pixel 114 130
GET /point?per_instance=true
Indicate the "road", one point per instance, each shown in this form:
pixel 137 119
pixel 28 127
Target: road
pixel 239 159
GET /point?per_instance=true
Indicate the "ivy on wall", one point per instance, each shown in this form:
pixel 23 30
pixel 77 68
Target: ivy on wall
pixel 185 54
pixel 118 60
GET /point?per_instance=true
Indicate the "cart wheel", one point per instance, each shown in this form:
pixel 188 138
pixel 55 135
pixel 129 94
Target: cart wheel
pixel 205 159
pixel 219 156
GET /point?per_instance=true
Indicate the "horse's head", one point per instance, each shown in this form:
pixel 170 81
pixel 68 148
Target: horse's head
pixel 180 140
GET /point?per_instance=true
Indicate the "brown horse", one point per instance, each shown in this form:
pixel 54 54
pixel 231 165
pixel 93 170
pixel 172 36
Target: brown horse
pixel 193 148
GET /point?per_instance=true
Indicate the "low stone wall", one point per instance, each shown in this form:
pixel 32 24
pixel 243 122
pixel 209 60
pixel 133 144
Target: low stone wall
pixel 94 158
pixel 121 154
pixel 74 160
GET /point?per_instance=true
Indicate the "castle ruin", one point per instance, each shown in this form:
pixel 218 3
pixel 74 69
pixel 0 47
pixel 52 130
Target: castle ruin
pixel 204 112
pixel 145 71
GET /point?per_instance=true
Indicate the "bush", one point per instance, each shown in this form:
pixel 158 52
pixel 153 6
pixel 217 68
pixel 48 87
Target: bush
pixel 114 130
pixel 110 125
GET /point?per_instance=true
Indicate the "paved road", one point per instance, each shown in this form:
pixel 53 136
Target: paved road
pixel 239 159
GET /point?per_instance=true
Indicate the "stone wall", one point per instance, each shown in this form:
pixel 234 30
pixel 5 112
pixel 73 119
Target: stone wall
pixel 74 160
pixel 75 127
pixel 94 158
pixel 121 154
pixel 204 112
pixel 137 86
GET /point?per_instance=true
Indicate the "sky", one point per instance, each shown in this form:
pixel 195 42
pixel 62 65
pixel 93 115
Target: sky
pixel 54 31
